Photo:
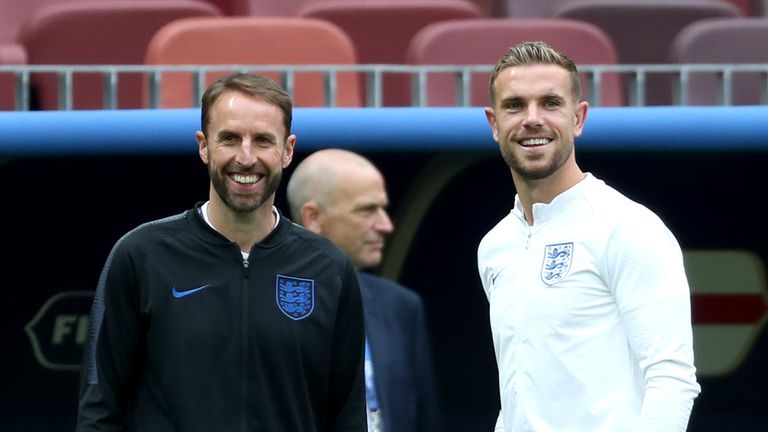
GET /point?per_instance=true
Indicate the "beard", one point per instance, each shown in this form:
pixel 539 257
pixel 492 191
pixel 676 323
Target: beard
pixel 543 166
pixel 244 204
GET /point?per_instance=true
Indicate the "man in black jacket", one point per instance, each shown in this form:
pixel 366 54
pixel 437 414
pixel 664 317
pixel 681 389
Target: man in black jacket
pixel 228 317
pixel 341 195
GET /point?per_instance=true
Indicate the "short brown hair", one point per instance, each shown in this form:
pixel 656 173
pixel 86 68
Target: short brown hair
pixel 536 52
pixel 254 85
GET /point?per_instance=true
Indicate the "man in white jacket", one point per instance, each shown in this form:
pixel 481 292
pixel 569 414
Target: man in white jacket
pixel 589 302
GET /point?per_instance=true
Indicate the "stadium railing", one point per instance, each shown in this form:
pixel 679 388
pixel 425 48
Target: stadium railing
pixel 634 77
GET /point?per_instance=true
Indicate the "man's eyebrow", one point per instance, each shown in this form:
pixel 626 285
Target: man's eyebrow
pixel 266 135
pixel 372 202
pixel 225 132
pixel 509 99
pixel 553 96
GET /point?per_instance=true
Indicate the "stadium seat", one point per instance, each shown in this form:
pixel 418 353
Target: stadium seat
pixel 13 13
pixel 289 7
pixel 225 6
pixel 254 41
pixel 729 41
pixel 382 29
pixel 98 33
pixel 758 8
pixel 527 8
pixel 547 8
pixel 641 31
pixel 284 8
pixel 744 6
pixel 485 40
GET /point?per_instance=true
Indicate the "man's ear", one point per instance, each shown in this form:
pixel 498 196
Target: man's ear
pixel 490 115
pixel 580 118
pixel 290 144
pixel 311 217
pixel 202 146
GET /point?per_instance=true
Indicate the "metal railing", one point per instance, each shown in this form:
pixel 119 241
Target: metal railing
pixel 633 81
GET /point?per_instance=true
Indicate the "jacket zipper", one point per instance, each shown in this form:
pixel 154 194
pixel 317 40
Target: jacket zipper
pixel 244 352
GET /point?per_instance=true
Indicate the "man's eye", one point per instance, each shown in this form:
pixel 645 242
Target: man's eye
pixel 367 211
pixel 263 140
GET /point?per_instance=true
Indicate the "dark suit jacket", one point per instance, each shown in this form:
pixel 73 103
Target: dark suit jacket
pixel 402 362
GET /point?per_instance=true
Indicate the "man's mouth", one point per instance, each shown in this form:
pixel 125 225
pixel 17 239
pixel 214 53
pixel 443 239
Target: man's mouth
pixel 246 179
pixel 532 142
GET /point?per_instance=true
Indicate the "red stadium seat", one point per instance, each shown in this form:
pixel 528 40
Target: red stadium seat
pixel 485 40
pixel 285 7
pixel 641 31
pixel 13 13
pixel 98 33
pixel 528 9
pixel 227 7
pixel 729 41
pixel 255 41
pixel 382 29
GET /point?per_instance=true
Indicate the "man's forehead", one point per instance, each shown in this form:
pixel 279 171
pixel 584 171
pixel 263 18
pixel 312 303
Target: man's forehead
pixel 536 71
pixel 539 79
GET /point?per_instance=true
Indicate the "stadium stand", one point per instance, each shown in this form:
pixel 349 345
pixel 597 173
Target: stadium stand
pixel 483 40
pixel 105 33
pixel 382 29
pixel 13 14
pixel 641 31
pixel 724 41
pixel 254 41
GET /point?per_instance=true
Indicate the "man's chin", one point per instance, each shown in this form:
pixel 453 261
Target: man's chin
pixel 371 262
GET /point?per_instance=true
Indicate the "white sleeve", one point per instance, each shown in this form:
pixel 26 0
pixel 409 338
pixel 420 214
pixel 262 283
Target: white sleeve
pixel 499 423
pixel 645 270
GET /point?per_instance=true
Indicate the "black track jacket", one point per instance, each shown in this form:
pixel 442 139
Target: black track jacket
pixel 188 336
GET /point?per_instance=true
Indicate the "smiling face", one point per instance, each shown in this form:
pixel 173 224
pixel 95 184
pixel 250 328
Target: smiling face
pixel 246 149
pixel 535 119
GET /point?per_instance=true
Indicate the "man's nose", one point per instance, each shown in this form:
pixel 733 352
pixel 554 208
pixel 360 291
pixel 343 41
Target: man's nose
pixel 246 155
pixel 384 222
pixel 532 116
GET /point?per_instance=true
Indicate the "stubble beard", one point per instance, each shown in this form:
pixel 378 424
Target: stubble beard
pixel 523 166
pixel 242 205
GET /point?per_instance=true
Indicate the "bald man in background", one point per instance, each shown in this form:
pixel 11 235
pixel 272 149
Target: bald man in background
pixel 342 195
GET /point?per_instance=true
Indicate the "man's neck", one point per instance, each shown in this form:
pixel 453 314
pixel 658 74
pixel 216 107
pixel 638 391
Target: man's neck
pixel 245 229
pixel 544 190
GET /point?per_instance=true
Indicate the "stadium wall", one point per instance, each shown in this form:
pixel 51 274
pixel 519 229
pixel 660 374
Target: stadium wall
pixel 74 182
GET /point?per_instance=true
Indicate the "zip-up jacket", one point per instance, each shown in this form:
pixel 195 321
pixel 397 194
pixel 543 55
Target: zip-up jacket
pixel 186 335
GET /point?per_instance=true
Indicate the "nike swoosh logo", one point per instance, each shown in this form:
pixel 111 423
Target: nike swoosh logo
pixel 179 294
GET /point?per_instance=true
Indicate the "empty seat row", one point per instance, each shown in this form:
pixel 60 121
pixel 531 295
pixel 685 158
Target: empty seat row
pixel 185 32
pixel 78 33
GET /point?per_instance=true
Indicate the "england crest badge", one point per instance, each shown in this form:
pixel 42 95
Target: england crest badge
pixel 557 262
pixel 295 296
